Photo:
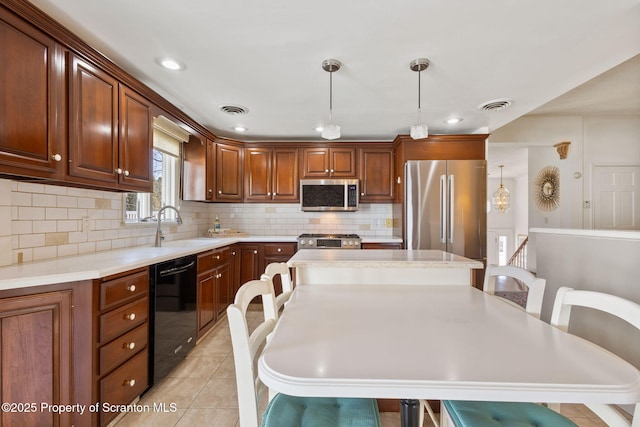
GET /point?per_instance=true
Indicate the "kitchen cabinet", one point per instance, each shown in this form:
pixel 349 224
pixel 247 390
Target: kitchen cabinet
pixel 271 174
pixel 213 287
pixel 249 263
pixel 32 101
pixel 110 133
pixel 329 162
pixel 121 356
pixel 376 174
pixel 45 337
pixel 228 172
pixel 278 252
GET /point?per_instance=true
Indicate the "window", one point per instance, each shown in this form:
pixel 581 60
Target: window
pixel 144 207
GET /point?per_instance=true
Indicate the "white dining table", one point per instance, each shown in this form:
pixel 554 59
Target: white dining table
pixel 433 342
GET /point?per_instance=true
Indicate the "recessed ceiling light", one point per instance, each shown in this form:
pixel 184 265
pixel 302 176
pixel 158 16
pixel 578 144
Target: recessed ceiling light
pixel 240 129
pixel 170 64
pixel 453 120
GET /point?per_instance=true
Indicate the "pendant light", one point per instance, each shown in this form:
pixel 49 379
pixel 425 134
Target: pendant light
pixel 331 131
pixel 421 130
pixel 500 199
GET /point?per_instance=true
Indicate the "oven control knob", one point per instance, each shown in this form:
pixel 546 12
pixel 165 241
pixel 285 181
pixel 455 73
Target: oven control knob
pixel 350 242
pixel 310 242
pixel 302 243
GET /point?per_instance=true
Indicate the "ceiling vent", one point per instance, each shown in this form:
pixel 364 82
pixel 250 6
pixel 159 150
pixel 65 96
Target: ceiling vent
pixel 234 109
pixel 495 105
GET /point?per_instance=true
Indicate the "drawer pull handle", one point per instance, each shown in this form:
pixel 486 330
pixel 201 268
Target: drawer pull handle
pixel 131 288
pixel 129 345
pixel 129 383
pixel 131 316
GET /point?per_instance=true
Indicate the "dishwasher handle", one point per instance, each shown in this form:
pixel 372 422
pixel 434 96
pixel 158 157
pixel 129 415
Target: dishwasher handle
pixel 176 270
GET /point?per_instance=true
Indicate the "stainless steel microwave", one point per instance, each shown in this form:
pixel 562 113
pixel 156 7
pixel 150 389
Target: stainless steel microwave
pixel 329 194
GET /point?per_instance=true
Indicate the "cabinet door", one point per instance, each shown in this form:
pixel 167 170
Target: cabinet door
pixel 376 175
pixel 206 303
pixel 36 364
pixel 343 163
pixel 249 263
pixel 32 107
pixel 194 171
pixel 258 171
pixel 223 288
pixel 93 119
pixel 135 142
pixel 315 162
pixel 285 184
pixel 229 180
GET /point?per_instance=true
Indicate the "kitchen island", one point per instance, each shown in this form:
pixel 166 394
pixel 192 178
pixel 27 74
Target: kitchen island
pixel 399 267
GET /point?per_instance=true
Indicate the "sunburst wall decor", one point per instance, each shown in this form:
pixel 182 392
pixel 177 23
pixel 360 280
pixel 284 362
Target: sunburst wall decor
pixel 547 189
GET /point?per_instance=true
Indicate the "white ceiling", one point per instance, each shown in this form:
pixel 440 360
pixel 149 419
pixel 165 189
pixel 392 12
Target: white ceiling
pixel 267 55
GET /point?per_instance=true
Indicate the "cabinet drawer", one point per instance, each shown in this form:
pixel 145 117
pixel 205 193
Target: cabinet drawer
pixel 271 249
pixel 122 348
pixel 212 259
pixel 124 384
pixel 123 319
pixel 114 292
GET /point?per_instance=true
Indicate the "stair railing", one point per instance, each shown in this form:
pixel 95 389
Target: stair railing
pixel 519 257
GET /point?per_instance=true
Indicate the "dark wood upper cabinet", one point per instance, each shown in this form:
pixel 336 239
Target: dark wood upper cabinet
pixel 110 133
pixel 324 162
pixel 229 175
pixel 376 175
pixel 32 101
pixel 271 174
pixel 136 141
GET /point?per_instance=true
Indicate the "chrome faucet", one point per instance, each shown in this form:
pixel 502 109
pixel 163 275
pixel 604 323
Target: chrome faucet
pixel 159 236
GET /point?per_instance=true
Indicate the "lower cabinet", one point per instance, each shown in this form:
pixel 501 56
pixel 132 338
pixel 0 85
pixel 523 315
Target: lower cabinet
pixel 121 348
pixel 45 341
pixel 213 287
pixel 278 252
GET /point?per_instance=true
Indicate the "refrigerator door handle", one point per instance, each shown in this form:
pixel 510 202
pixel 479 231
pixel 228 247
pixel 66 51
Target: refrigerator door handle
pixel 451 197
pixel 443 209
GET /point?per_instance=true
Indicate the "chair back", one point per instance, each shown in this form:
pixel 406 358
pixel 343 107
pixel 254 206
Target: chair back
pixel 247 346
pixel 629 311
pixel 280 269
pixel 534 284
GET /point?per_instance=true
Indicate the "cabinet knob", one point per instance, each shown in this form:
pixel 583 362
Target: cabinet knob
pixel 129 345
pixel 56 157
pixel 210 190
pixel 217 256
pixel 219 191
pixel 279 249
pixel 332 170
pixel 131 288
pixel 326 170
pixel 268 193
pixel 129 383
pixel 233 253
pixel 126 173
pixel 130 316
pixel 255 252
pixel 274 194
pixel 119 171
pixel 362 194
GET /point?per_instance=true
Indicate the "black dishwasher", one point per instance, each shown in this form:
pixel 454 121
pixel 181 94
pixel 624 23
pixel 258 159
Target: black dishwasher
pixel 172 311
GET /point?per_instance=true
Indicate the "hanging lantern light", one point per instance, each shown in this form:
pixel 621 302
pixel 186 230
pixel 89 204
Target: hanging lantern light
pixel 501 198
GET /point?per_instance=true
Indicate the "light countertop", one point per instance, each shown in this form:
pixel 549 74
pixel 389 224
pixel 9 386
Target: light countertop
pixel 380 259
pixel 102 264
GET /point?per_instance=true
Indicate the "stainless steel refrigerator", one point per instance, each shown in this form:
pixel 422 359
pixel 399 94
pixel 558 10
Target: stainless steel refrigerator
pixel 446 206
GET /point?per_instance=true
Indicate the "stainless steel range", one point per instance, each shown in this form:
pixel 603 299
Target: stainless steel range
pixel 329 241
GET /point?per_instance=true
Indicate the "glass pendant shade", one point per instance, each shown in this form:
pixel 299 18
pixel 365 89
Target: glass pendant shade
pixel 331 131
pixel 501 198
pixel 419 131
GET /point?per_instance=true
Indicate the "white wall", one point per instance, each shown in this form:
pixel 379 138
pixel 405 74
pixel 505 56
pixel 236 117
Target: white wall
pixel 594 140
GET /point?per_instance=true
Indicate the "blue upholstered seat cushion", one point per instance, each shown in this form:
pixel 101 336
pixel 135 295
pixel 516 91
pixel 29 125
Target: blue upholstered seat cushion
pixel 503 414
pixel 290 411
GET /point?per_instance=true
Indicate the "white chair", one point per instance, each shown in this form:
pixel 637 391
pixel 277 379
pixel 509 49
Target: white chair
pixel 282 410
pixel 281 269
pixel 463 413
pixel 535 284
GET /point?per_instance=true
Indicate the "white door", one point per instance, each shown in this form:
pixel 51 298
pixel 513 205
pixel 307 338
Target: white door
pixel 616 197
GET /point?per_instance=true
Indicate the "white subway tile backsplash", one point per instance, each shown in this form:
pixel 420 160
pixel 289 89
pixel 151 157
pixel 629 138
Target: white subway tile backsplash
pixel 57 213
pixel 30 214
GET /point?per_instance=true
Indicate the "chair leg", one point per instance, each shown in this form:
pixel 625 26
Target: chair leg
pixel 432 415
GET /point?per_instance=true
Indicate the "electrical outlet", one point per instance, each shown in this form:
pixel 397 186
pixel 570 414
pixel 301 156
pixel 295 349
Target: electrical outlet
pixel 389 223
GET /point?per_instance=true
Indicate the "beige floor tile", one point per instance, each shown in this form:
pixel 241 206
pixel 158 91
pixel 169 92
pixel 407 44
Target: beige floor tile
pixel 179 391
pixel 209 417
pixel 151 419
pixel 217 393
pixel 226 369
pixel 198 367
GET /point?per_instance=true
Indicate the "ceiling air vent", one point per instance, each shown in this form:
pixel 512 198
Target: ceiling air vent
pixel 495 105
pixel 234 109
